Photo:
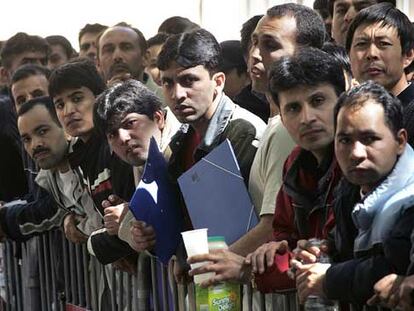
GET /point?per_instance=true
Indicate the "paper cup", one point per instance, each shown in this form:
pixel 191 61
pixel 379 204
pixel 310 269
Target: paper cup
pixel 196 243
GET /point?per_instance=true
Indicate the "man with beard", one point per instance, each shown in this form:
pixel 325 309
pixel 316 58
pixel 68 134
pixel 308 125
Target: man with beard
pixel 121 56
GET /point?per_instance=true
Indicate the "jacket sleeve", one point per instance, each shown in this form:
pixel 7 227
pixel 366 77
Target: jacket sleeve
pixel 21 222
pixel 243 137
pixel 353 280
pixel 108 248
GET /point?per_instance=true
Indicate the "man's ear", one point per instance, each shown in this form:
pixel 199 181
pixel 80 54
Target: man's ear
pixel 220 79
pixel 402 138
pixel 408 58
pixel 159 119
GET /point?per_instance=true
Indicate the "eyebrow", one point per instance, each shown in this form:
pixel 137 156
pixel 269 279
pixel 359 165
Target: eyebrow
pixel 75 93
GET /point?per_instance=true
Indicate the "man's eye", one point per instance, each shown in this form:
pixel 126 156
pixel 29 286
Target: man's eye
pixel 344 140
pixel 188 81
pixel 368 140
pixel 292 108
pixel 317 101
pixel 20 100
pixel 85 47
pixel 59 105
pixel 384 44
pixel 360 44
pixel 77 99
pixel 167 84
pixel 25 140
pixel 38 93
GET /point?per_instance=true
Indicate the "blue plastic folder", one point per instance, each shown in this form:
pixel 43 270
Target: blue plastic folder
pixel 155 202
pixel 216 196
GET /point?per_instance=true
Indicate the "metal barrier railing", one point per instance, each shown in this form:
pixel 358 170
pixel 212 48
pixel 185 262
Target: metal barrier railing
pixel 70 279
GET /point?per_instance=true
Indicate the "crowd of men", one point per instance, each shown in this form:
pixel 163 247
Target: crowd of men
pixel 318 106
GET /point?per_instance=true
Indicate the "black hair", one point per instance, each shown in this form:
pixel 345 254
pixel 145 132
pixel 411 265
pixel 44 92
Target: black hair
pixel 190 49
pixel 332 2
pixel 44 101
pixel 121 99
pixel 158 39
pixel 307 67
pixel 91 28
pixel 21 43
pixel 246 33
pixel 142 42
pixel 63 42
pixel 388 16
pixel 74 74
pixel 369 90
pixel 340 54
pixel 310 28
pixel 29 70
pixel 232 57
pixel 176 24
pixel 322 7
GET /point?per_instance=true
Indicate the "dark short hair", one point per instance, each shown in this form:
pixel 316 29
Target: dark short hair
pixel 246 33
pixel 121 99
pixel 310 28
pixel 388 16
pixel 322 7
pixel 232 57
pixel 358 95
pixel 158 39
pixel 332 2
pixel 190 49
pixel 177 24
pixel 63 42
pixel 74 74
pixel 340 54
pixel 29 70
pixel 91 28
pixel 307 67
pixel 44 101
pixel 20 43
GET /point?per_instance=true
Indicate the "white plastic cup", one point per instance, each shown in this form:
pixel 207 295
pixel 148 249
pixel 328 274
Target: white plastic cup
pixel 196 243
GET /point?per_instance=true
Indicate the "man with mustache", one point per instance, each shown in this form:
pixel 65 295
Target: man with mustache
pixel 380 44
pixel 122 55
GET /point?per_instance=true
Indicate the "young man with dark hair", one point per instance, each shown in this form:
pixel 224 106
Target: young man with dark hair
pixel 252 96
pixel 154 46
pixel 343 12
pixel 60 51
pixel 266 173
pixel 74 87
pixel 28 82
pixel 372 151
pixel 129 114
pixel 380 44
pixel 177 24
pixel 193 87
pixel 22 49
pixel 87 40
pixel 234 67
pixel 305 87
pixel 321 6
